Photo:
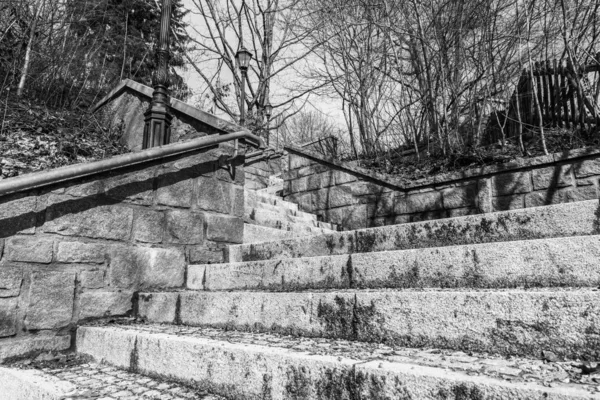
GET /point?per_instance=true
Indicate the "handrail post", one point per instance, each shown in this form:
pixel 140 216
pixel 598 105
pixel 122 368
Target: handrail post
pixel 157 127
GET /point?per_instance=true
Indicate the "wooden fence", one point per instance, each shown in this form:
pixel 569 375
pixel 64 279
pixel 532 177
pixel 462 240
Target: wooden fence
pixel 566 96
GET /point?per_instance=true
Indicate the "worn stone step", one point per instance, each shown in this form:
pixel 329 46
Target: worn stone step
pixel 566 219
pixel 80 378
pixel 280 211
pixel 244 366
pixel 257 233
pixel 508 322
pixel 273 212
pixel 556 262
pixel 289 223
pixel 253 199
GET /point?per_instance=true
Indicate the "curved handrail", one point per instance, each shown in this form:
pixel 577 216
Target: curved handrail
pixel 39 179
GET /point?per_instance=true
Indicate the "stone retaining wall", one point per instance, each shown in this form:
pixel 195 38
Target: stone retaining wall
pixel 259 169
pixel 357 198
pixel 81 249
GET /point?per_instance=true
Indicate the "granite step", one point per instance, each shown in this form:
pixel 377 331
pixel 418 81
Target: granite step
pixel 254 199
pixel 560 220
pixel 508 322
pixel 81 378
pixel 257 233
pixel 288 222
pixel 241 365
pixel 555 262
pixel 281 211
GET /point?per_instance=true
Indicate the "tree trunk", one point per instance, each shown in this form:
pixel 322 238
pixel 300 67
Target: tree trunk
pixel 27 61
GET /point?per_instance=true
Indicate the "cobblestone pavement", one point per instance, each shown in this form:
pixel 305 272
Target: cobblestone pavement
pixel 102 382
pixel 549 371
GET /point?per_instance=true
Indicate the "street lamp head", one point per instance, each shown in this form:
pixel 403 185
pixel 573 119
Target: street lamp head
pixel 268 110
pixel 243 57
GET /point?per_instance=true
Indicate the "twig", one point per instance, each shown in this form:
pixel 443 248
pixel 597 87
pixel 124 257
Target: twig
pixel 5 109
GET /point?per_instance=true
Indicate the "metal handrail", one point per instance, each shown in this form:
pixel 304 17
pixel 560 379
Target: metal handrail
pixel 39 179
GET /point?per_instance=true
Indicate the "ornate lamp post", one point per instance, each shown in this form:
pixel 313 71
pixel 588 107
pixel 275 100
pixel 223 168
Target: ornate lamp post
pixel 243 58
pixel 268 112
pixel 157 128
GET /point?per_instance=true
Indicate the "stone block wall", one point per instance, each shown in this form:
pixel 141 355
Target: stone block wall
pixel 259 169
pixel 356 198
pixel 81 249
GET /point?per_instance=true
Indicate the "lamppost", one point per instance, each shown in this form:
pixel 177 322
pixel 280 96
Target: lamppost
pixel 268 112
pixel 157 127
pixel 243 58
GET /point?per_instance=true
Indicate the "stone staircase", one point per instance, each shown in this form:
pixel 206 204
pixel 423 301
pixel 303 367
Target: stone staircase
pixel 268 217
pixel 494 306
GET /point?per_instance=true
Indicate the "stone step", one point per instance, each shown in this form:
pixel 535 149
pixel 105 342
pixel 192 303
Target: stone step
pixel 80 378
pixel 240 365
pixel 507 322
pixel 253 199
pixel 257 233
pixel 567 219
pixel 281 211
pixel 288 222
pixel 556 262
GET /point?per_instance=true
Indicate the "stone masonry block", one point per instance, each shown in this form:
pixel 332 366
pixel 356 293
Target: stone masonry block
pixel 124 270
pixel 350 217
pixel 17 215
pixel 513 183
pixel 85 189
pixel 174 191
pixel 341 177
pixel 148 226
pixel 92 279
pixel 8 317
pixel 568 195
pixel 29 249
pixel 161 268
pixel 238 202
pixel 225 229
pixel 205 255
pixel 319 200
pixel 214 195
pixel 307 171
pixel 184 227
pixel 556 176
pixel 421 202
pixel 135 187
pixel 340 196
pixel 11 278
pixel 50 300
pixel 78 252
pixel 85 217
pixel 299 185
pixel 104 304
pixel 382 205
pixel 484 195
pixel 587 168
pixel 302 199
pixel 459 197
pixel 508 202
pixel 298 161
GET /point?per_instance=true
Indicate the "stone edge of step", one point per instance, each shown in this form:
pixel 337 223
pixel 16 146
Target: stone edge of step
pixel 282 368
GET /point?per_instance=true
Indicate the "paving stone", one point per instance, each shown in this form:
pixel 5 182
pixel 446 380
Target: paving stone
pixel 29 249
pixel 50 300
pixel 70 381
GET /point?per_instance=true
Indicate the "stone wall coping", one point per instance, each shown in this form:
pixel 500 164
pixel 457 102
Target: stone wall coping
pixel 178 105
pixel 451 177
